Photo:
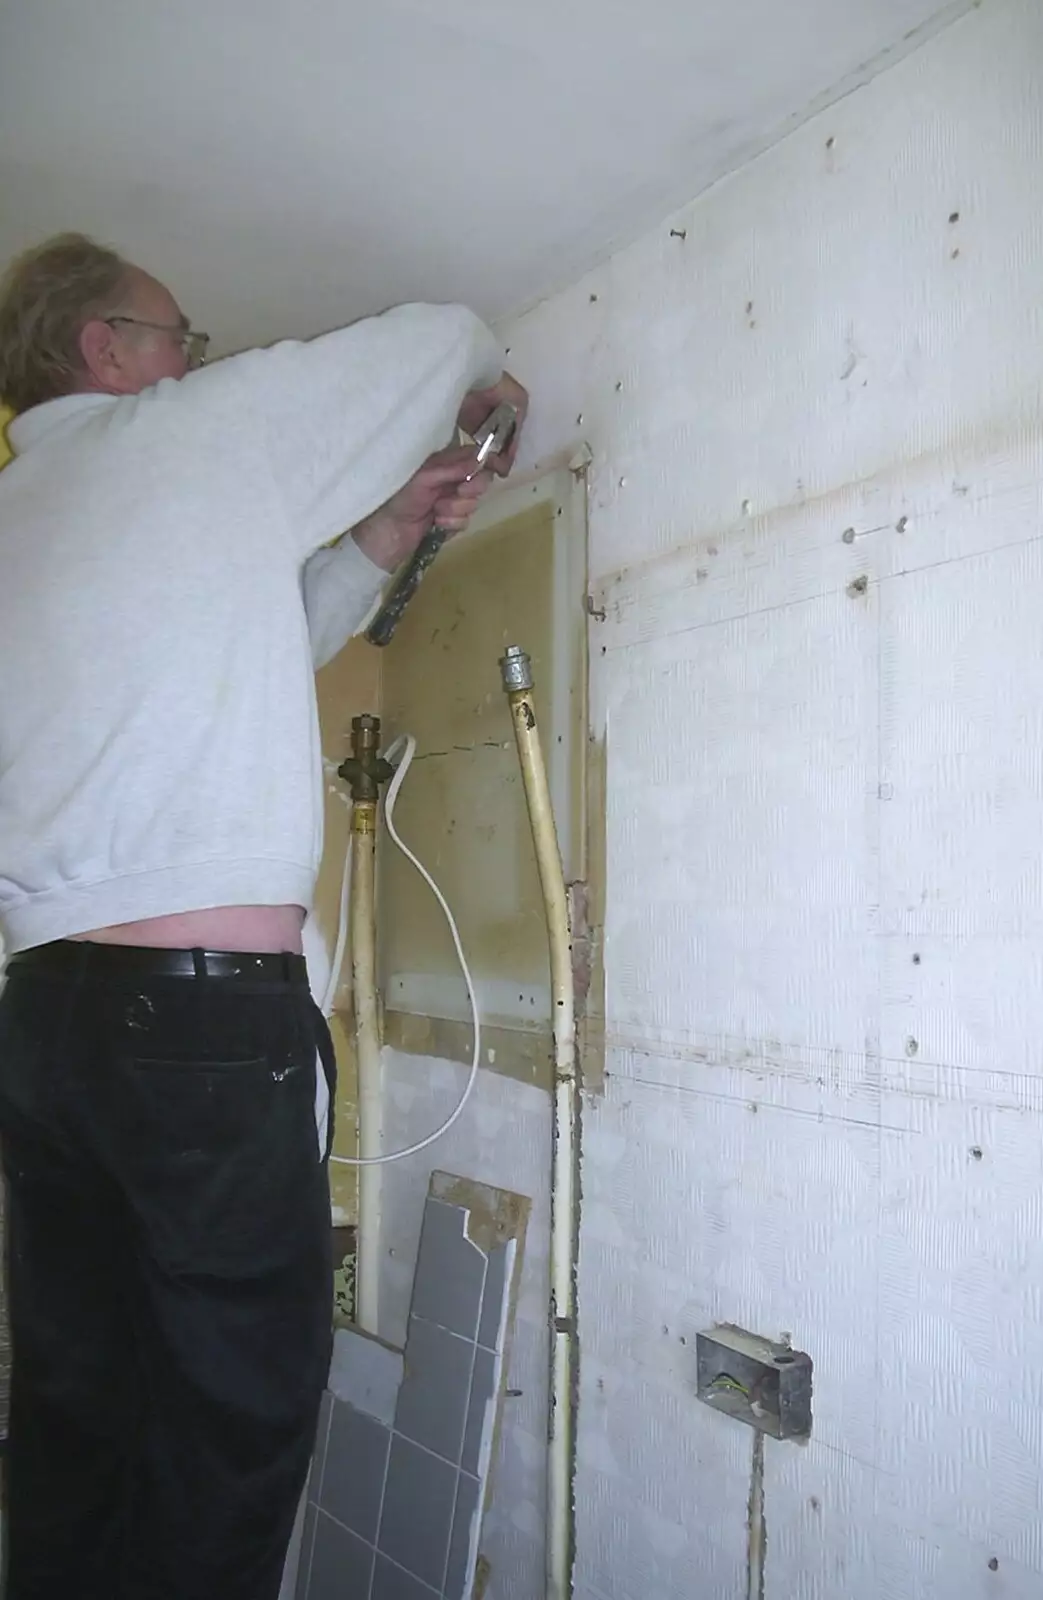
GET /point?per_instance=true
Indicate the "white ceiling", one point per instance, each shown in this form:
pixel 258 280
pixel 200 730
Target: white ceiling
pixel 289 166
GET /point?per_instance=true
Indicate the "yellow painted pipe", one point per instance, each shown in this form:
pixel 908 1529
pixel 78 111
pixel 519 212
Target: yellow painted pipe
pixel 564 1374
pixel 363 926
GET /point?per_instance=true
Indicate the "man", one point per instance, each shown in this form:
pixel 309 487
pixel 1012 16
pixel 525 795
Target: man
pixel 171 569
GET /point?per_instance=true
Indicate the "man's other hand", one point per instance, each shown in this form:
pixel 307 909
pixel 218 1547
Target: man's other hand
pixel 439 495
pixel 481 402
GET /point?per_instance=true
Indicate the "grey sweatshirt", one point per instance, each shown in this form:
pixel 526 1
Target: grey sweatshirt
pixel 167 587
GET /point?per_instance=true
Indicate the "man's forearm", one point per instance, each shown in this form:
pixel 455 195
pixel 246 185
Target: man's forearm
pixel 382 541
pixel 341 586
pixel 342 583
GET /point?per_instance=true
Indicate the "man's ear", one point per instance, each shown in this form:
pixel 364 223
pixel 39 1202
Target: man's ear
pixel 101 355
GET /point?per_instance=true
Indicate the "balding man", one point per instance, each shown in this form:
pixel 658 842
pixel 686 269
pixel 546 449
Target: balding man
pixel 172 569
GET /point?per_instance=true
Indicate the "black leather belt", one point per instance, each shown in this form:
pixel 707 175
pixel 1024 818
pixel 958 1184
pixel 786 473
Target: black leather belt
pixel 78 957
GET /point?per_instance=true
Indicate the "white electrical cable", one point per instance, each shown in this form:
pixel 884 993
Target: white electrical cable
pixel 407 743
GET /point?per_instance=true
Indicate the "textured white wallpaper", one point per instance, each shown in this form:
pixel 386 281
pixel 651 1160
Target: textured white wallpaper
pixel 816 534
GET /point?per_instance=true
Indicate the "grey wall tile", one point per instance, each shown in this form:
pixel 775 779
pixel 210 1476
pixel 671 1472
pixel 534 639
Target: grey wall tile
pixel 432 1402
pixel 458 1574
pixel 341 1565
pixel 356 1462
pixel 391 1583
pixel 311 1513
pixel 319 1454
pixel 417 1518
pixel 366 1373
pixel 494 1296
pixel 450 1271
pixel 483 1385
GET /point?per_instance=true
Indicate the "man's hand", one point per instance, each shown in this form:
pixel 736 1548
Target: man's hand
pixel 436 496
pixel 439 495
pixel 478 405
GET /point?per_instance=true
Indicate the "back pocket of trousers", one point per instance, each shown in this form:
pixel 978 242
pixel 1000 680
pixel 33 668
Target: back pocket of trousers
pixel 212 1149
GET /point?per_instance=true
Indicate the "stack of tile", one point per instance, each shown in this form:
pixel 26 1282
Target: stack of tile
pixel 406 1440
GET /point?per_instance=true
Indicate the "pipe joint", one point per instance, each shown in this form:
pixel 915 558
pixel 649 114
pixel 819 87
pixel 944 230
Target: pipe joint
pixel 365 769
pixel 516 669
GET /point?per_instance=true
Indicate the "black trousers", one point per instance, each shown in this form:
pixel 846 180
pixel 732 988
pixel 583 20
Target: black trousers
pixel 170 1278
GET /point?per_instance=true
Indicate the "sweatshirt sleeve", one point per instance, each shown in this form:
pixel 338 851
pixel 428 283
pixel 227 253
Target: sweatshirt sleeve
pixel 347 418
pixel 341 590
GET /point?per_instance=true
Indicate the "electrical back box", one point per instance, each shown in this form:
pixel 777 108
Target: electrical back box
pixel 756 1381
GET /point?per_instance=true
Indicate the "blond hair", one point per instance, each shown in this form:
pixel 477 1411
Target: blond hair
pixel 46 297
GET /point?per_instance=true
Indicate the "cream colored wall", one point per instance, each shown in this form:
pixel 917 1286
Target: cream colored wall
pixel 5 449
pixel 462 809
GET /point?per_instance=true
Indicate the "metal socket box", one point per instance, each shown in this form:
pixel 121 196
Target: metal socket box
pixel 756 1381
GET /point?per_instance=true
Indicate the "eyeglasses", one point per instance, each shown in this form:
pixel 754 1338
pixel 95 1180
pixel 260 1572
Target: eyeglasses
pixel 192 343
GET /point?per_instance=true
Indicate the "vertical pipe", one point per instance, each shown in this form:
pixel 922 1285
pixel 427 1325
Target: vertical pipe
pixel 564 1367
pixel 367 1051
pixel 365 770
pixel 756 1531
